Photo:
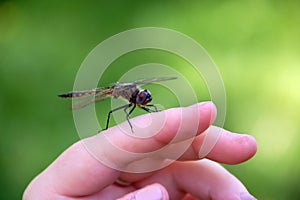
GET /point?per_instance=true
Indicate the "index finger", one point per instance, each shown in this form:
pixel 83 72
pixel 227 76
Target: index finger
pixel 77 172
pixel 146 149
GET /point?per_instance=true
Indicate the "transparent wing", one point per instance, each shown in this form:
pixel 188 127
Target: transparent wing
pixel 153 80
pixel 92 96
pixel 85 98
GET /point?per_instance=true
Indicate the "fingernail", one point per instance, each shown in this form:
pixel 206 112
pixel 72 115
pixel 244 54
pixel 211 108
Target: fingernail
pixel 246 196
pixel 150 192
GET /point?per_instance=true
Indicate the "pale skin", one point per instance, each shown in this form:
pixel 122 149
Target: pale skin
pixel 77 175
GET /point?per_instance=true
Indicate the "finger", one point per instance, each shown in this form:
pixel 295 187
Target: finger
pixel 118 150
pixel 78 172
pixel 224 147
pixel 150 192
pixel 206 179
pixel 233 148
pixel 228 148
pixel 198 116
pixel 202 179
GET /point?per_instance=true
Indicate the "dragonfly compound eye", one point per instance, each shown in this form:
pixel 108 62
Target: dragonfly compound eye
pixel 144 97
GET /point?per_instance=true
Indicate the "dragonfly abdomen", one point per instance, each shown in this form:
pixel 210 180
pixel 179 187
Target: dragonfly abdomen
pixel 78 94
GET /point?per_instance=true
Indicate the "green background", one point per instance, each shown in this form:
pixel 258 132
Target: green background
pixel 256 45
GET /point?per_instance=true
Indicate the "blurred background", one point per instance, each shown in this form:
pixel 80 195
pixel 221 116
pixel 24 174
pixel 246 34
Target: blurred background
pixel 255 44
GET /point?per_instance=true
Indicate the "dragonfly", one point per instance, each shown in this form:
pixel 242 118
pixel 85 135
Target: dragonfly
pixel 129 91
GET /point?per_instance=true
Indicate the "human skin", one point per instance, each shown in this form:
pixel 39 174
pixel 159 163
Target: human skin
pixel 78 175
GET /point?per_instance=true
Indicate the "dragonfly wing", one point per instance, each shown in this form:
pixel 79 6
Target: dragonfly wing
pixel 130 86
pixel 98 95
pixel 153 80
pixel 103 93
pixel 82 102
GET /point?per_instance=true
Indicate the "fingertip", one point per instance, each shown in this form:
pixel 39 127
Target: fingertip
pixel 154 192
pixel 208 114
pixel 186 122
pixel 208 106
pixel 214 111
pixel 250 146
pixel 246 144
pixel 233 148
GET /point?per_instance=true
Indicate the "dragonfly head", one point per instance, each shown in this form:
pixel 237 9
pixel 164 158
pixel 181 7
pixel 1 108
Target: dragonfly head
pixel 143 97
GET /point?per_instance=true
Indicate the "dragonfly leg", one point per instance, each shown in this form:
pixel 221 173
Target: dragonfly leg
pixel 128 114
pixel 148 109
pixel 113 110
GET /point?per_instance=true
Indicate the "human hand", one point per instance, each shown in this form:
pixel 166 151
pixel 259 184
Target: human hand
pixel 77 174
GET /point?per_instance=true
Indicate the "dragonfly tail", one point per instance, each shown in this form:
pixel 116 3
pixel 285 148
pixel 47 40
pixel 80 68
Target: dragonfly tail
pixel 77 94
pixel 66 95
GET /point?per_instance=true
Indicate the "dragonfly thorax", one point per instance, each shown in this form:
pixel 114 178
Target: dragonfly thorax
pixel 143 97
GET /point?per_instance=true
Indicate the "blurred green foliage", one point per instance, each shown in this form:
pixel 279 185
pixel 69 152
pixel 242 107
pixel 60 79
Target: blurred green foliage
pixel 256 45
